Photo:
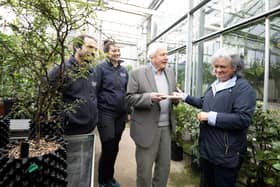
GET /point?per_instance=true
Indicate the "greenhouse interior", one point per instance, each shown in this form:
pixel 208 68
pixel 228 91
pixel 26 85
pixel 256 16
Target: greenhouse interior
pixel 36 36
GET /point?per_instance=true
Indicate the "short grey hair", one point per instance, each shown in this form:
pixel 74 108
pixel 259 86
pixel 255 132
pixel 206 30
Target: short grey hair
pixel 154 47
pixel 231 55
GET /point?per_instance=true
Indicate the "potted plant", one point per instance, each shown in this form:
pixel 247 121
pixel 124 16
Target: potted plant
pixel 38 40
pixel 186 131
pixel 262 165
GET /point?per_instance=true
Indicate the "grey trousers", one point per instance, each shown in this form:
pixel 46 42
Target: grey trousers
pixel 153 163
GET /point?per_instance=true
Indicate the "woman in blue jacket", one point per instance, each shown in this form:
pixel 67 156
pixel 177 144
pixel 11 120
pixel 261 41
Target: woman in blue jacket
pixel 227 108
pixel 111 91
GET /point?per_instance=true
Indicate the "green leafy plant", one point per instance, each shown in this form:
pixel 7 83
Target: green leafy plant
pixel 186 122
pixel 187 125
pixel 262 167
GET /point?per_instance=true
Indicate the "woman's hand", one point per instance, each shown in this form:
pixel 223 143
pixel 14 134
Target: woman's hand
pixel 202 116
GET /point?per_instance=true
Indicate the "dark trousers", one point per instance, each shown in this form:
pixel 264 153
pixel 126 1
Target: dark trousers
pixel 110 131
pixel 217 176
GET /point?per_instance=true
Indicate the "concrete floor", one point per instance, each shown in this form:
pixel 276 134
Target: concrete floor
pixel 125 167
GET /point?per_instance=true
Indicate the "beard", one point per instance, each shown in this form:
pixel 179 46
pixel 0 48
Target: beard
pixel 88 58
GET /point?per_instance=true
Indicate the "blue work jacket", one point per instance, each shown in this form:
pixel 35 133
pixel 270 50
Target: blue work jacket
pixel 80 94
pixel 224 143
pixel 111 88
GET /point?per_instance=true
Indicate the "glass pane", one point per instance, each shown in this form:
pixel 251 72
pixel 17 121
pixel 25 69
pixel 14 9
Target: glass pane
pixel 250 41
pixel 209 48
pixel 168 12
pixel 237 10
pixel 193 70
pixel 274 68
pixel 273 3
pixel 172 61
pixel 176 37
pixel 207 19
pixel 195 2
pixel 181 69
pixel 80 159
pixel 177 61
pixel 216 15
pixel 202 54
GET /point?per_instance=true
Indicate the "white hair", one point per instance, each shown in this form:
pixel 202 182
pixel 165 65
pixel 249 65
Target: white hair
pixel 231 55
pixel 154 47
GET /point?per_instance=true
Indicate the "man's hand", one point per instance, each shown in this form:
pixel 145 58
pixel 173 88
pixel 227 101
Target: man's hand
pixel 157 97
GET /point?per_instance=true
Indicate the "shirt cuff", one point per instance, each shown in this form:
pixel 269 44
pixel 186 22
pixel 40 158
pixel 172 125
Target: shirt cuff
pixel 184 96
pixel 212 116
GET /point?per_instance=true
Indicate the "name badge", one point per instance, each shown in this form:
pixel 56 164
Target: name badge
pixel 93 84
pixel 122 74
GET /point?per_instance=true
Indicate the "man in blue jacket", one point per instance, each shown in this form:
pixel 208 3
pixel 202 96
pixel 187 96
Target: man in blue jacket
pixel 78 87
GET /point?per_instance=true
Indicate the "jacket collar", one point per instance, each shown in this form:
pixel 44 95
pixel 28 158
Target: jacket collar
pixel 73 61
pixel 219 86
pixel 108 61
pixel 150 74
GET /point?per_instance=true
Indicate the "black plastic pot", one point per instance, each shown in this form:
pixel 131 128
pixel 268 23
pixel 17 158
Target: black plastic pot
pixel 8 104
pixel 176 152
pixel 47 128
pixel 46 170
pixel 4 131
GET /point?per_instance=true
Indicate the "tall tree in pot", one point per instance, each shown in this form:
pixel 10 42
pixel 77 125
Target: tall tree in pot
pixel 39 33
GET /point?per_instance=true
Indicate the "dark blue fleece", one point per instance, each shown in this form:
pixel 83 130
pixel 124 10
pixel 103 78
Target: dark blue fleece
pixel 111 88
pixel 81 94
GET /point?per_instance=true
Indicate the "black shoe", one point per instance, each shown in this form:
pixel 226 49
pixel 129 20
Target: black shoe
pixel 114 183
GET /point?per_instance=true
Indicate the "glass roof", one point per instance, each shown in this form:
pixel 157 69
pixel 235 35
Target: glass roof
pixel 123 20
